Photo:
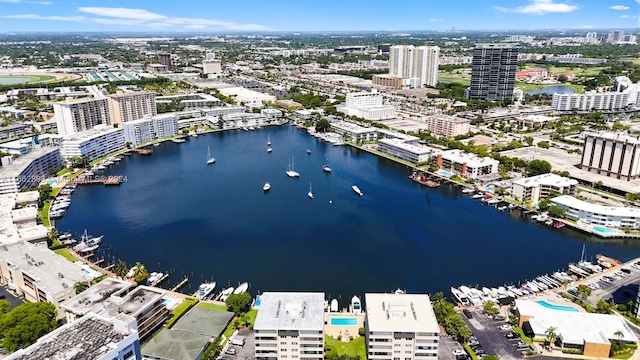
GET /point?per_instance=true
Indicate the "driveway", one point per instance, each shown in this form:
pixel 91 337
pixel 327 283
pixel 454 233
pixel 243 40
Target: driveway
pixel 492 339
pixel 15 301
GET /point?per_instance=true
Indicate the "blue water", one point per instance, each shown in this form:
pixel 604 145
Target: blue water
pixel 556 307
pixel 214 222
pixel 560 89
pixel 603 230
pixel 344 321
pixel 445 173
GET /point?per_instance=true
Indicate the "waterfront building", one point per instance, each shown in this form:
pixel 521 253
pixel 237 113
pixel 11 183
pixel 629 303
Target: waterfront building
pixel 367 105
pixel 354 132
pixel 400 326
pixel 538 187
pixel 466 165
pixel 19 219
pixel 243 120
pixel 94 144
pixel 41 275
pixel 210 65
pixel 598 215
pixel 271 114
pixel 493 71
pixel 290 325
pixel 419 63
pixel 447 125
pixel 164 58
pixel 111 297
pixel 164 125
pixel 190 101
pixel 223 110
pixel 612 154
pixel 138 131
pixel 404 150
pixel 29 170
pixel 625 93
pixel 587 332
pixel 12 131
pixel 92 336
pixel 131 106
pixel 73 116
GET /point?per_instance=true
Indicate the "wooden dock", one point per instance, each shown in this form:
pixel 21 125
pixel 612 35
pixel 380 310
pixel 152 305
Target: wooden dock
pixel 142 151
pixel 161 279
pixel 180 284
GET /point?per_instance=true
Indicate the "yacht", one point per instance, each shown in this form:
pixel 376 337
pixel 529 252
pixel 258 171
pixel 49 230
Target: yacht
pixel 156 144
pixel 309 151
pixel 226 292
pixel 88 243
pixel 56 214
pixel 326 168
pixel 477 196
pixel 310 193
pixel 242 288
pixel 245 129
pixel 468 191
pixel 269 149
pixel 194 135
pixel 357 190
pixel 204 290
pixel 210 160
pixel 266 186
pixel 179 141
pixel 291 172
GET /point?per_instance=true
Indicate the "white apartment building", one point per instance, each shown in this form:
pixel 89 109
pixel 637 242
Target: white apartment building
pixel 367 105
pixel 447 125
pixel 354 132
pixel 405 151
pixel 164 125
pixel 625 94
pixel 615 155
pixel 73 116
pixel 131 106
pixel 94 144
pixel 138 131
pixel 408 61
pixel 466 165
pixel 598 215
pixel 40 275
pixel 400 327
pixel 290 326
pixel 538 187
pixel 29 169
pixel 19 219
pixel 92 336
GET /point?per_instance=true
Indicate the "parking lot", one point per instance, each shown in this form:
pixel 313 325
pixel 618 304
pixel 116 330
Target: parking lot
pixel 447 347
pixel 615 284
pixel 245 352
pixel 492 339
pixel 6 295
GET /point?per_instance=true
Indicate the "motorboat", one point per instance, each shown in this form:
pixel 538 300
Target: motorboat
pixel 309 151
pixel 242 288
pixel 56 214
pixel 204 290
pixel 468 191
pixel 194 135
pixel 269 149
pixel 326 168
pixel 477 196
pixel 290 170
pixel 266 186
pixel 226 292
pixel 179 141
pixel 310 193
pixel 357 190
pixel 210 160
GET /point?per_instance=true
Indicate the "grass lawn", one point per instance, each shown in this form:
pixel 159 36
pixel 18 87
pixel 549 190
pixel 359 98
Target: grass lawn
pixel 179 310
pixel 32 78
pixel 522 336
pixel 212 306
pixel 577 71
pixel 452 77
pixel 230 328
pixel 66 254
pixel 355 347
pixel 43 213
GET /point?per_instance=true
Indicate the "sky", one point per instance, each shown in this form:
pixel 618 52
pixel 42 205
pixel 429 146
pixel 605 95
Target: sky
pixel 313 15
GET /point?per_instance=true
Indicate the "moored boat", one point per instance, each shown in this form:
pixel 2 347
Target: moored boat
pixel 242 288
pixel 204 290
pixel 357 190
pixel 266 186
pixel 326 168
pixel 226 292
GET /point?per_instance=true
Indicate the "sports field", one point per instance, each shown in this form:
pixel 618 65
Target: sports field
pixel 30 78
pixel 576 70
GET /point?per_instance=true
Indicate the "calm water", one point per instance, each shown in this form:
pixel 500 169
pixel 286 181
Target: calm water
pixel 176 213
pixel 560 89
pixel 9 80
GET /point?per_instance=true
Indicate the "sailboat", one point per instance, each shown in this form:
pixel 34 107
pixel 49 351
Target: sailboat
pixel 269 149
pixel 291 172
pixel 268 141
pixel 210 160
pixel 310 193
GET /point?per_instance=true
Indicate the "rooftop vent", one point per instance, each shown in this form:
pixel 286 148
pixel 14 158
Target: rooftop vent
pixel 64 285
pixel 60 276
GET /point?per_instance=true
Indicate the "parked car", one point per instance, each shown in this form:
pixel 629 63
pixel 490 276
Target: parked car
pixel 512 335
pixel 505 327
pixel 230 351
pixel 498 317
pixel 467 313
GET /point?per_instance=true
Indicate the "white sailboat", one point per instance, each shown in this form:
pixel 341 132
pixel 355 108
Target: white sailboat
pixel 269 149
pixel 266 187
pixel 268 141
pixel 310 193
pixel 291 172
pixel 210 160
pixel 356 190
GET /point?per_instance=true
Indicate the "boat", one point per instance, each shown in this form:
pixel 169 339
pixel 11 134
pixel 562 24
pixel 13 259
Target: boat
pixel 477 196
pixel 558 224
pixel 357 190
pixel 251 128
pixel 156 144
pixel 194 135
pixel 245 129
pixel 269 149
pixel 326 168
pixel 56 214
pixel 266 186
pixel 310 193
pixel 226 292
pixel 204 290
pixel 210 160
pixel 179 141
pixel 88 243
pixel 291 172
pixel 309 151
pixel 468 190
pixel 459 297
pixel 502 208
pixel 242 288
pixel 268 141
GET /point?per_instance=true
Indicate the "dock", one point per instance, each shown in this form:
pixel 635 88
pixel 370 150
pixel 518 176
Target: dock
pixel 180 284
pixel 142 151
pixel 161 279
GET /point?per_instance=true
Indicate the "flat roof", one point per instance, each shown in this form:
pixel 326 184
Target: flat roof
pixel 400 312
pixel 172 344
pixel 343 125
pixel 20 164
pixel 472 160
pixel 204 321
pixel 401 144
pixel 290 311
pixel 546 179
pixel 616 136
pixel 572 202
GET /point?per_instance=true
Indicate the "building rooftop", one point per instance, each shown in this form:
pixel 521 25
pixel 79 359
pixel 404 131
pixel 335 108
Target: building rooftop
pixel 615 136
pixel 343 125
pixel 472 160
pixel 400 312
pixel 402 144
pixel 572 202
pixel 16 168
pixel 97 131
pixel 291 311
pixel 546 179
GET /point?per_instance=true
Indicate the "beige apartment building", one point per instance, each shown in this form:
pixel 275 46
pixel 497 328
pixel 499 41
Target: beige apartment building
pixel 131 106
pixel 615 155
pixel 447 125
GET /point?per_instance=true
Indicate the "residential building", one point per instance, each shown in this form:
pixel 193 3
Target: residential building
pixel 615 36
pixel 12 131
pixel 190 101
pixel 73 116
pixel 421 63
pixel 223 110
pixel 19 219
pixel 589 333
pixel 164 125
pixel 538 187
pixel 40 275
pixel 404 150
pixel 615 155
pixel 290 326
pixel 592 37
pixel 354 132
pixel 394 82
pixel 271 114
pixel 466 165
pixel 447 125
pixel 493 71
pixel 625 93
pixel 130 106
pixel 91 337
pixel 367 105
pixel 112 297
pixel 239 120
pixel 138 131
pixel 164 58
pixel 210 65
pixel 400 326
pixel 598 215
pixel 29 170
pixel 94 144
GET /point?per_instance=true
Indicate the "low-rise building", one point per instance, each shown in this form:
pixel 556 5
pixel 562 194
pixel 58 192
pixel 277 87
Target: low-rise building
pixel 12 131
pixel 447 125
pixel 400 326
pixel 243 120
pixel 96 143
pixel 29 170
pixel 290 325
pixel 19 219
pixel 271 114
pixel 354 132
pixel 598 215
pixel 190 101
pixel 91 337
pixel 404 150
pixel 535 121
pixel 466 165
pixel 538 187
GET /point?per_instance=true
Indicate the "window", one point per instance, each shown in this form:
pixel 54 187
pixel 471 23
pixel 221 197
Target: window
pixel 128 355
pixel 283 343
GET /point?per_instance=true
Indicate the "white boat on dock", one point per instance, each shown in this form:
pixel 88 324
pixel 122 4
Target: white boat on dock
pixel 459 297
pixel 242 288
pixel 179 141
pixel 204 290
pixel 226 292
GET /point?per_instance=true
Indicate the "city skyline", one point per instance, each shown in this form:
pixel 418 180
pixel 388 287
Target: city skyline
pixel 286 15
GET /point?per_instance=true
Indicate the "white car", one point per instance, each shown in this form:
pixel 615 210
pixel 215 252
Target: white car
pixel 505 327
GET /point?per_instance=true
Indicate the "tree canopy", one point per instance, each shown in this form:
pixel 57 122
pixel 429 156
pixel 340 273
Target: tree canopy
pixel 23 325
pixel 538 167
pixel 238 303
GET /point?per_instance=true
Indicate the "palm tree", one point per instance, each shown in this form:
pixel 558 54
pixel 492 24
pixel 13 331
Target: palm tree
pixel 140 273
pixel 121 269
pixel 551 334
pixel 619 334
pixel 53 234
pixel 80 286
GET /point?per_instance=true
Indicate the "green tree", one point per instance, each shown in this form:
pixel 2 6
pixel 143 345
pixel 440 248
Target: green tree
pixel 537 167
pixel 23 325
pixel 528 140
pixel 556 212
pixel 45 192
pixel 213 350
pixel 238 303
pixel 53 234
pixel 80 286
pixel 544 204
pixel 604 307
pixel 551 334
pixel 543 144
pixel 140 273
pixel 121 269
pixel 323 125
pixel 490 307
pixel 5 307
pixel 583 292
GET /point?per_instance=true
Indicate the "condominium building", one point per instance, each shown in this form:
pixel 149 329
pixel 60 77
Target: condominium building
pixel 19 219
pixel 91 337
pixel 130 106
pixel 112 297
pixel 400 326
pixel 405 151
pixel 592 37
pixel 164 125
pixel 94 144
pixel 598 215
pixel 394 82
pixel 465 164
pixel 625 93
pixel 290 326
pixel 138 131
pixel 408 61
pixel 367 105
pixel 615 155
pixel 447 125
pixel 164 58
pixel 538 187
pixel 493 71
pixel 80 115
pixel 210 65
pixel 354 132
pixel 40 275
pixel 29 170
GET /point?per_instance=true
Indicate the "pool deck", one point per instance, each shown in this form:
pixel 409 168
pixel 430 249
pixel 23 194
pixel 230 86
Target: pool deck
pixel 343 330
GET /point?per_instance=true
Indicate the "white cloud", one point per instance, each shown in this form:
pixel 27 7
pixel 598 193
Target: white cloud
pixel 40 17
pixel 618 7
pixel 541 7
pixel 435 20
pixel 627 16
pixel 122 13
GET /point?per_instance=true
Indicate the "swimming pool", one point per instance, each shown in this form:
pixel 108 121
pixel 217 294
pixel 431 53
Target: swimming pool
pixel 51 182
pixel 86 272
pixel 556 307
pixel 489 188
pixel 445 173
pixel 344 321
pixel 603 230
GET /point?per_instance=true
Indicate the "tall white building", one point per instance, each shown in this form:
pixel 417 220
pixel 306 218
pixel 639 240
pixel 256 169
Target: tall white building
pixel 421 63
pixel 615 155
pixel 400 327
pixel 80 115
pixel 94 144
pixel 367 105
pixel 138 131
pixel 592 37
pixel 290 326
pixel 164 125
pixel 29 170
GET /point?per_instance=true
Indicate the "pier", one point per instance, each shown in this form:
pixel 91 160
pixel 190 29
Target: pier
pixel 180 284
pixel 159 280
pixel 142 151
